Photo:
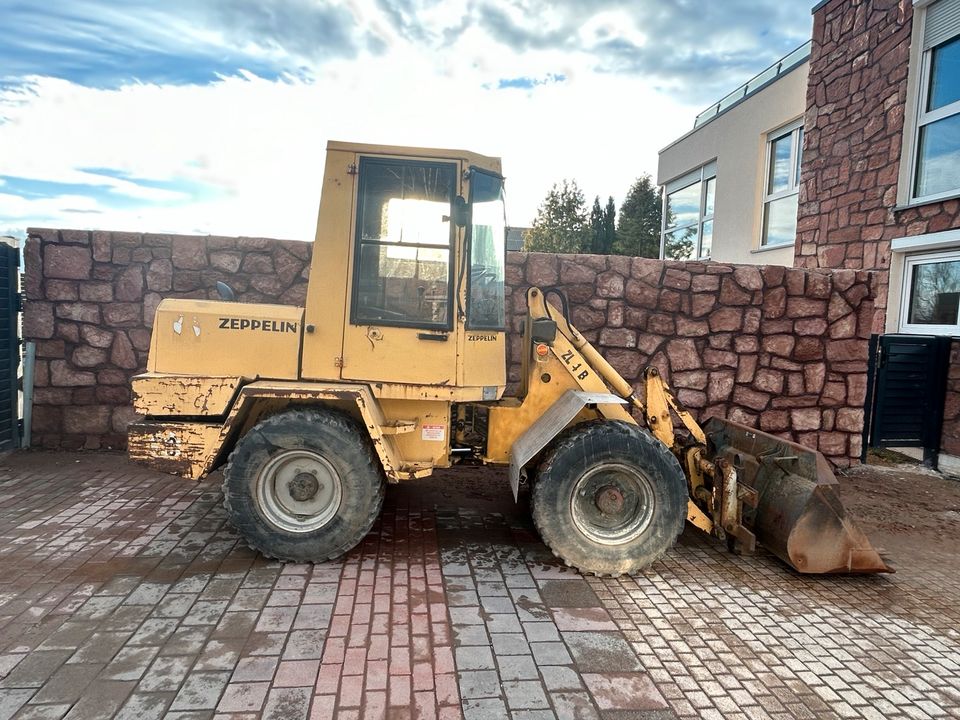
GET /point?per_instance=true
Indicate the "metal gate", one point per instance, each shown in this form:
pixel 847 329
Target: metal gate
pixel 9 344
pixel 906 386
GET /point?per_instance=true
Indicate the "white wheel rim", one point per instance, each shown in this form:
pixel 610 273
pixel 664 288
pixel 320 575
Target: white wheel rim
pixel 612 503
pixel 298 491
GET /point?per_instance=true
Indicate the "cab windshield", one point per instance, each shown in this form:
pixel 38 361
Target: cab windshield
pixel 488 237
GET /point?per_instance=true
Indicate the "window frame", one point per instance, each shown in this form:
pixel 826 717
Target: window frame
pixel 923 117
pixel 795 131
pixel 367 161
pixel 702 175
pixel 909 263
pixel 468 256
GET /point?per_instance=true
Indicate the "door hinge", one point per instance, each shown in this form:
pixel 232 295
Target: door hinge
pixel 338 362
pixel 352 169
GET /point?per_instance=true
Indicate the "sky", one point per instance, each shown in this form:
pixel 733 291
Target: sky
pixel 212 116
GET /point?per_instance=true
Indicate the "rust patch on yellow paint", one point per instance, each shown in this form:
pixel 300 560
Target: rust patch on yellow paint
pixel 182 395
pixel 181 448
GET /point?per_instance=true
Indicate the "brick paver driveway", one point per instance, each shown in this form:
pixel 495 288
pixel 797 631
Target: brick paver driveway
pixel 122 593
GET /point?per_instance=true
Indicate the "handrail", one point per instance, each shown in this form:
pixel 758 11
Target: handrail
pixel 783 65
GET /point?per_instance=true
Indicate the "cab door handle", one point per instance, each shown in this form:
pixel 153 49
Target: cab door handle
pixel 442 337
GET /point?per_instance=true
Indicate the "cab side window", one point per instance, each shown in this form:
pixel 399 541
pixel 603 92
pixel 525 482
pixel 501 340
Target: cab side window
pixel 404 239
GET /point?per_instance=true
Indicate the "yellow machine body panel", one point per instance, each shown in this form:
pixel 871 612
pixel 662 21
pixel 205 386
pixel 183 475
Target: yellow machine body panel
pixel 549 378
pixel 327 293
pixel 216 339
pixel 392 292
pixel 420 430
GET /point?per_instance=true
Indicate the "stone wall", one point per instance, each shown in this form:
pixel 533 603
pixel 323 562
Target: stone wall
pixel 781 348
pixel 90 301
pixel 856 98
pixel 950 435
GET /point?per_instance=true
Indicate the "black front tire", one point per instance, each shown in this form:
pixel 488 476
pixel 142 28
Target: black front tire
pixel 609 499
pixel 304 485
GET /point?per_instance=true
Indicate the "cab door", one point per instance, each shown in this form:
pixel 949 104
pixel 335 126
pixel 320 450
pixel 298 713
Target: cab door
pixel 402 298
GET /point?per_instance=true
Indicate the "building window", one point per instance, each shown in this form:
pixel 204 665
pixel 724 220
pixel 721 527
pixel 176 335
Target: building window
pixel 688 204
pixel 781 189
pixel 936 166
pixel 931 294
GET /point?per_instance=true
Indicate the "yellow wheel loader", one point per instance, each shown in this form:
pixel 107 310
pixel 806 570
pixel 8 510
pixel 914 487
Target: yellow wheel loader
pixel 396 366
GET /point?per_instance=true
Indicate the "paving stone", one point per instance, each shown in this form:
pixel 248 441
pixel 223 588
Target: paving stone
pixel 243 697
pixel 127 617
pixel 541 631
pixel 189 715
pixel 67 684
pixel 99 648
pixel 574 593
pixel 147 593
pixel 550 653
pixel 579 705
pixel 313 617
pixel 154 631
pixel 583 619
pixel 533 715
pixel 484 709
pixel 42 712
pixel 205 612
pixel 624 691
pixel 525 695
pixel 165 674
pixel 497 604
pixel 287 704
pixel 249 599
pixel 175 605
pixel 33 670
pixel 510 644
pixel 70 635
pixel 479 684
pixel 145 706
pixel 235 625
pixel 473 657
pixel 255 668
pixel 465 616
pixel 100 701
pixel 130 663
pixel 558 677
pixel 297 673
pixel 471 634
pixel 276 619
pixel 304 645
pixel 517 667
pixel 12 700
pixel 601 651
pixel 200 691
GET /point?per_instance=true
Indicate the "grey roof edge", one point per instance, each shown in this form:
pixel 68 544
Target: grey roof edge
pixel 818 6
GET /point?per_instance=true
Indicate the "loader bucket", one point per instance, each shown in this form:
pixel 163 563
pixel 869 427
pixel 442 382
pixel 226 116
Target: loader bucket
pixel 798 515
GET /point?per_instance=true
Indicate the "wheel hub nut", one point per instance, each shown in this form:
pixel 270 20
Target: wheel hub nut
pixel 303 487
pixel 610 501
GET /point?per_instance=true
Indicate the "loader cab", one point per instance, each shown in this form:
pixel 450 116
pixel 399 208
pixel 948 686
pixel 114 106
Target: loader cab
pixel 407 281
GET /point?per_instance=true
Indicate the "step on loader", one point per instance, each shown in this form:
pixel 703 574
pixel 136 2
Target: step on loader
pixel 396 367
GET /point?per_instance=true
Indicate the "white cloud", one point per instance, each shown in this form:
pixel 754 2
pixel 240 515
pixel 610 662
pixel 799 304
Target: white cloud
pixel 259 144
pixel 244 154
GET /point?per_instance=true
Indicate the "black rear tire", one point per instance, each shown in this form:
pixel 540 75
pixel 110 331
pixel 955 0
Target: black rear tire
pixel 609 498
pixel 304 485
